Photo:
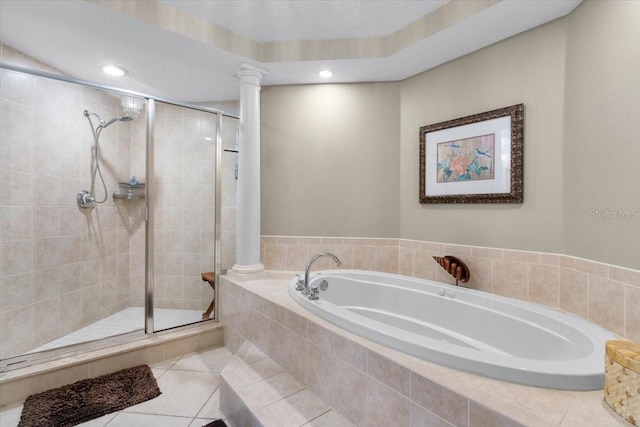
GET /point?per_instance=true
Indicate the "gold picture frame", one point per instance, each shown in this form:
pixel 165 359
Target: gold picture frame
pixel 474 159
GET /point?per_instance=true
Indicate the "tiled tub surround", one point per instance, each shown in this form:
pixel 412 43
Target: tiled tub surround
pixel 372 385
pixel 606 295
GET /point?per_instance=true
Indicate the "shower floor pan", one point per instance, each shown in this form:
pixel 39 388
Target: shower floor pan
pixel 128 320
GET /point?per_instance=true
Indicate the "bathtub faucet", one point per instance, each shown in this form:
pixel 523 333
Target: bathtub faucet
pixel 306 290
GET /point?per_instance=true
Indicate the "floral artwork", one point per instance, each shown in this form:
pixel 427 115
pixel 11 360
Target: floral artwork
pixel 473 159
pixel 468 159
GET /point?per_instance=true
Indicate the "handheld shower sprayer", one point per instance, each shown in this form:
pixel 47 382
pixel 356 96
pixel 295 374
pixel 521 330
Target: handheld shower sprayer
pixel 86 199
pixel 101 123
pixel 115 119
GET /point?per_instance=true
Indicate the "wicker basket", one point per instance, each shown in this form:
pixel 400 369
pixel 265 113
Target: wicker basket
pixel 622 379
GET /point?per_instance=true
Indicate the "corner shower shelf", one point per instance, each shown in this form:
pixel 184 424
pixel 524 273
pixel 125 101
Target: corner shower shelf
pixel 129 192
pixel 128 196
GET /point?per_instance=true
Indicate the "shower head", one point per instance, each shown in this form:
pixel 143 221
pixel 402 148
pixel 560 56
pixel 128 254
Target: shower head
pixel 125 118
pixel 115 119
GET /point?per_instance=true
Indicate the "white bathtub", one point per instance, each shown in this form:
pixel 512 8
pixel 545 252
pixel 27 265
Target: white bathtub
pixel 474 331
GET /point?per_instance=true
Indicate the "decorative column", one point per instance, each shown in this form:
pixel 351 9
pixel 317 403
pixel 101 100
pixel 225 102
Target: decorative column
pixel 248 188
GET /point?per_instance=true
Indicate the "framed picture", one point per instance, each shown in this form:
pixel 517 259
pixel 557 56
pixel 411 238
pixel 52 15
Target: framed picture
pixel 473 159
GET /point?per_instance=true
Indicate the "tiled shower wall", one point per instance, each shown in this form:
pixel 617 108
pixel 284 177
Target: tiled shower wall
pixel 61 267
pixel 604 294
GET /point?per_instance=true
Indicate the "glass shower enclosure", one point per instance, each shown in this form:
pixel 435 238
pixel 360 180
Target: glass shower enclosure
pixel 111 210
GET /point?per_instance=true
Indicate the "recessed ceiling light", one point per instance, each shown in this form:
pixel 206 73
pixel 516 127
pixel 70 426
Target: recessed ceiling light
pixel 325 74
pixel 114 70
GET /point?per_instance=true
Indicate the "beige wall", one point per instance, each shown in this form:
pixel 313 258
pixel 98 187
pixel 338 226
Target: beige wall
pixel 602 133
pixel 578 77
pixel 529 69
pixel 330 160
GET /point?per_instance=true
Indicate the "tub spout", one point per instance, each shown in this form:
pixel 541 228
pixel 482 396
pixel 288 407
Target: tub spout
pixel 314 259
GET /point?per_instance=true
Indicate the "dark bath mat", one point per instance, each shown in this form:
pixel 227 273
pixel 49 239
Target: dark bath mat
pixel 216 423
pixel 88 399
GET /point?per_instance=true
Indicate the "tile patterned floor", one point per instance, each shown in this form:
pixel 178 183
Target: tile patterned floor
pixel 190 387
pixel 128 320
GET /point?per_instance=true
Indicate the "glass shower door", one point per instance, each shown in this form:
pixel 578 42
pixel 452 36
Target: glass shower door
pixel 184 214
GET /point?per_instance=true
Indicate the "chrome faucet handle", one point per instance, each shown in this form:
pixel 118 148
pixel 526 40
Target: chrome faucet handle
pixel 315 289
pixel 299 283
pixel 313 292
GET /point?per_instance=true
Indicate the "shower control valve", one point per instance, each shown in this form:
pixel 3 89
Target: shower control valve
pixel 85 200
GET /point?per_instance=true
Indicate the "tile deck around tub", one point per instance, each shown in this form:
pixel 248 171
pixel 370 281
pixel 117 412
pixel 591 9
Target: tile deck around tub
pixel 257 391
pixel 367 377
